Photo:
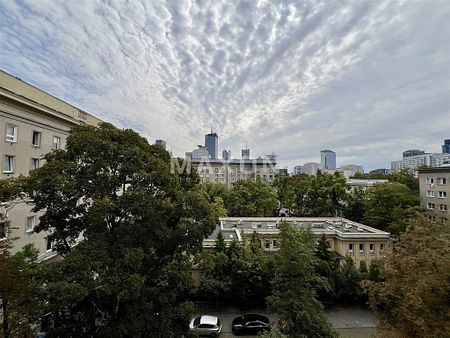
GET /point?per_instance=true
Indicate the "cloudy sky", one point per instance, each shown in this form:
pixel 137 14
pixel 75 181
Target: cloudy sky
pixel 367 79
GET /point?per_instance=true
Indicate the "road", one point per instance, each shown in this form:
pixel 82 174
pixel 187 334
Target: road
pixel 349 322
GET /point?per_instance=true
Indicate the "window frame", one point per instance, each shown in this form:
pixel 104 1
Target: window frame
pixel 39 138
pixel 56 145
pixel 430 193
pixel 11 164
pixel 442 194
pixel 14 135
pixel 33 161
pixel 29 229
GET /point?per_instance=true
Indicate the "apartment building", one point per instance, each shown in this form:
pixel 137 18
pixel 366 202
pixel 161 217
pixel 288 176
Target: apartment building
pixel 359 241
pixel 434 185
pixel 425 160
pixel 32 123
pixel 228 172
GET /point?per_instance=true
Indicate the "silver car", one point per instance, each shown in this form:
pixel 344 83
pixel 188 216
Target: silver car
pixel 206 325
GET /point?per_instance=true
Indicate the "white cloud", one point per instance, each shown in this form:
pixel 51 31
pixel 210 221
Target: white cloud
pixel 365 78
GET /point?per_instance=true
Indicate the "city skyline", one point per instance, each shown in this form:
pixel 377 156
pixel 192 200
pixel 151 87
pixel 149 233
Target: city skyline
pixel 366 79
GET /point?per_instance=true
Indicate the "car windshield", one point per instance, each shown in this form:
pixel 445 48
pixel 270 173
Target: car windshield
pixel 196 321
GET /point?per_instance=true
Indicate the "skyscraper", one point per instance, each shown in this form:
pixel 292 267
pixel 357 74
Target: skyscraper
pixel 245 154
pixel 446 146
pixel 226 155
pixel 327 159
pixel 212 143
pixel 161 143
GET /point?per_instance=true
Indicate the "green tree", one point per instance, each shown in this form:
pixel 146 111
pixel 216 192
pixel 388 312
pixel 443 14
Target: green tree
pixel 354 208
pixel 405 177
pixel 387 204
pixel 130 275
pixel 348 282
pixel 294 286
pixel 251 198
pixel 20 307
pixel 284 187
pixel 327 267
pixel 414 298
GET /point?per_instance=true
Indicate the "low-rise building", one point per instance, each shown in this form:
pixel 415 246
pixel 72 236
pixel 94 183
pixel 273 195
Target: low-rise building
pixel 434 185
pixel 359 241
pixel 432 160
pixel 32 123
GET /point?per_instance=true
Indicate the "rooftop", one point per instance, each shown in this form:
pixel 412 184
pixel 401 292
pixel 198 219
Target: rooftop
pixel 435 170
pixel 234 227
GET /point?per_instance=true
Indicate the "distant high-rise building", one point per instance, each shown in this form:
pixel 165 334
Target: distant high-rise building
pixel 245 154
pixel 161 143
pixel 446 146
pixel 310 168
pixel 212 143
pixel 412 152
pixel 297 169
pixel 327 159
pixel 226 155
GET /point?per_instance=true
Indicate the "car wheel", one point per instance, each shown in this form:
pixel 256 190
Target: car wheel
pixel 213 335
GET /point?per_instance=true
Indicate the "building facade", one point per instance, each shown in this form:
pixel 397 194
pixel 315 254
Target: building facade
pixel 32 123
pixel 412 152
pixel 226 155
pixel 229 172
pixel 446 146
pixel 212 144
pixel 432 160
pixel 434 185
pixel 161 143
pixel 310 168
pixel 327 159
pixel 359 241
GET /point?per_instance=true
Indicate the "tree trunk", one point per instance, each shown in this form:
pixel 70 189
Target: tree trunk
pixel 5 327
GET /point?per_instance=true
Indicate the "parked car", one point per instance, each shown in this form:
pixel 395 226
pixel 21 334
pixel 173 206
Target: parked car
pixel 251 324
pixel 206 325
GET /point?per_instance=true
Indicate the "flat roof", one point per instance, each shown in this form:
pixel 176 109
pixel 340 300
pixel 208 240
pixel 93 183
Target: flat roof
pixel 435 170
pixel 234 227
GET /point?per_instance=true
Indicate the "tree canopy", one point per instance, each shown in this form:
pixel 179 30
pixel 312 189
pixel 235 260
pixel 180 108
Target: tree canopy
pixel 414 298
pixel 138 222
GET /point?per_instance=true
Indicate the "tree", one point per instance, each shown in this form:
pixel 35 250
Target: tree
pixel 414 298
pixel 355 206
pixel 388 204
pixel 17 291
pixel 130 275
pixel 348 282
pixel 284 187
pixel 405 177
pixel 294 286
pixel 251 198
pixel 327 267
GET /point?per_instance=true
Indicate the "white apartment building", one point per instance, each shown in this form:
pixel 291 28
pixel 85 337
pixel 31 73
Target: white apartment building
pixel 433 160
pixel 434 185
pixel 229 172
pixel 32 123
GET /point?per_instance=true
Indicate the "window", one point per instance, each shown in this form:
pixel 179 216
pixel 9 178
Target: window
pixel 361 249
pixel 35 163
pixel 442 194
pixel 432 218
pixel 372 249
pixel 441 181
pixel 8 164
pixel 443 207
pixel 30 223
pixel 382 248
pixel 275 243
pixel 267 244
pixel 430 206
pixel 3 230
pixel 350 249
pixel 49 244
pixel 430 193
pixel 11 133
pixel 36 139
pixel 429 180
pixel 56 143
pixel 216 170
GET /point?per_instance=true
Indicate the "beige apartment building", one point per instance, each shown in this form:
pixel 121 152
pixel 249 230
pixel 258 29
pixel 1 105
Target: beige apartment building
pixel 434 185
pixel 359 241
pixel 228 172
pixel 32 123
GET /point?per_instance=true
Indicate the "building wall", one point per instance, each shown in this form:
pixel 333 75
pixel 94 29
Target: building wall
pixel 434 185
pixel 30 110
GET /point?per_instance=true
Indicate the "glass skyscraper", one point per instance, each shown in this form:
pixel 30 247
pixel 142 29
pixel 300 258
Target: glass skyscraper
pixel 212 143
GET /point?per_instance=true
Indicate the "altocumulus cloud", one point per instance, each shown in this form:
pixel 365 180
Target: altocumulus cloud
pixel 367 79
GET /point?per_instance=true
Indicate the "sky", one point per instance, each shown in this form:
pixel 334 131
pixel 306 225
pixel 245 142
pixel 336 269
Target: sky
pixel 367 79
